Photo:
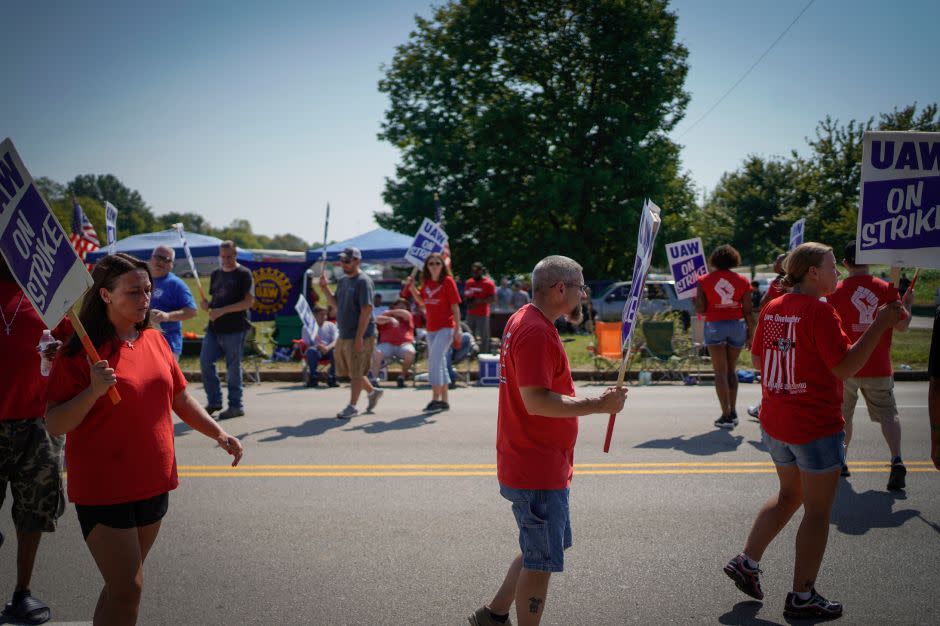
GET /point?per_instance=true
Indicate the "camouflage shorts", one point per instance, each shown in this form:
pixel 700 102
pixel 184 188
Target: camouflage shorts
pixel 30 461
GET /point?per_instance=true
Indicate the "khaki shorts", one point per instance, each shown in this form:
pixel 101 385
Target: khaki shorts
pixel 351 363
pixel 878 394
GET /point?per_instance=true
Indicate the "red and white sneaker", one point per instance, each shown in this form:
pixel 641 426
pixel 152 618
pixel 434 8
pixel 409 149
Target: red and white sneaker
pixel 745 578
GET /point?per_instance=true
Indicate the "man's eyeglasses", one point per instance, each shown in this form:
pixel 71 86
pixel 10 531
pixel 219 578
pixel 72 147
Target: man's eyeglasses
pixel 580 286
pixel 345 261
pixel 161 258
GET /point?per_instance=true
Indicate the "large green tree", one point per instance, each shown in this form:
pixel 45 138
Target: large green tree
pixel 746 210
pixel 543 126
pixel 134 216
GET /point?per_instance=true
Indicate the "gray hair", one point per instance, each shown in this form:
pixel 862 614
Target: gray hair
pixel 172 252
pixel 554 269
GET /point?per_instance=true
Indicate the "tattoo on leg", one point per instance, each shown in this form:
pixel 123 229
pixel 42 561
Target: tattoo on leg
pixel 534 604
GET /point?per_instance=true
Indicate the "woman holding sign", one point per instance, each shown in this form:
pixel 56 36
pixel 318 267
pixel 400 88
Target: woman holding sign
pixel 440 296
pixel 120 457
pixel 722 296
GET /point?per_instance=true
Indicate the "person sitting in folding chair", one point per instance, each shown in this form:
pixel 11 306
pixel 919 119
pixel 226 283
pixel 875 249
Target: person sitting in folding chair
pixel 396 340
pixel 321 348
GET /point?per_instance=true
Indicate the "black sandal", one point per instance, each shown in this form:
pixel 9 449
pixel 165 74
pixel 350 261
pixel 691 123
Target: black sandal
pixel 27 609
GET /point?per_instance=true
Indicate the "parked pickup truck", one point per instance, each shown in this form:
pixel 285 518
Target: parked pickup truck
pixel 660 296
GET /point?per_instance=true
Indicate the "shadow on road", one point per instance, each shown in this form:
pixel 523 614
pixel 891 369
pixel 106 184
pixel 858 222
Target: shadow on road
pixel 310 428
pixel 712 442
pixel 745 613
pixel 179 429
pixel 284 388
pixel 856 513
pixel 402 423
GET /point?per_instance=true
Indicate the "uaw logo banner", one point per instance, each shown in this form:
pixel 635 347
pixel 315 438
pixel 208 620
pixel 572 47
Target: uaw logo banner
pixel 276 288
pixel 34 244
pixel 899 212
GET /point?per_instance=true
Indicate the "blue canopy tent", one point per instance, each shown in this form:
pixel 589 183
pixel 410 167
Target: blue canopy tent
pixel 142 245
pixel 377 246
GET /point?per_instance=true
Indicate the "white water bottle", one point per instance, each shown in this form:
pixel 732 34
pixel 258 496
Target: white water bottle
pixel 45 364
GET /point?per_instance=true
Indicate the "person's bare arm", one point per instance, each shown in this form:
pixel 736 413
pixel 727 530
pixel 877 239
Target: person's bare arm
pixel 65 417
pixel 908 302
pixel 325 288
pixel 192 413
pixel 699 301
pixel 547 403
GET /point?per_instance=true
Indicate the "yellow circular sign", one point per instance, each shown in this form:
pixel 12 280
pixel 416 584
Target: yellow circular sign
pixel 272 288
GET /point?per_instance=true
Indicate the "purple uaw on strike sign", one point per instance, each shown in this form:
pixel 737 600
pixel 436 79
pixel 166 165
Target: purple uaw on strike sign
pixel 899 212
pixel 687 262
pixel 34 244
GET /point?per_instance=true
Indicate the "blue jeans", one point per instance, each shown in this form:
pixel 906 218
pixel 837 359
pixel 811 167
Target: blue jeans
pixel 818 456
pixel 544 525
pixel 313 357
pixel 459 354
pixel 214 346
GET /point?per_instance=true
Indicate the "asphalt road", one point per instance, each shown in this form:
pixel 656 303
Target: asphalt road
pixel 395 518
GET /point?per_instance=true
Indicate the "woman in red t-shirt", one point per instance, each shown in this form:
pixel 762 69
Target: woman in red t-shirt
pixel 438 297
pixel 722 295
pixel 803 355
pixel 120 458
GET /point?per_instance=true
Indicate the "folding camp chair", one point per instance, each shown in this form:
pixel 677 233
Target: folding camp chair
pixel 606 349
pixel 252 357
pixel 659 352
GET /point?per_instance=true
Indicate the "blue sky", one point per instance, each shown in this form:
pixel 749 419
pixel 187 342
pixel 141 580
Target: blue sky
pixel 267 111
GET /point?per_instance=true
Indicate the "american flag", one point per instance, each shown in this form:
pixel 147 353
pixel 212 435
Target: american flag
pixel 84 238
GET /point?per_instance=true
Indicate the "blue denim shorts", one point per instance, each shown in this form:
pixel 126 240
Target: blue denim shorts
pixel 544 526
pixel 731 332
pixel 816 457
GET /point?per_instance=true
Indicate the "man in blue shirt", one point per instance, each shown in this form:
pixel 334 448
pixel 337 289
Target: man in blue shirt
pixel 171 300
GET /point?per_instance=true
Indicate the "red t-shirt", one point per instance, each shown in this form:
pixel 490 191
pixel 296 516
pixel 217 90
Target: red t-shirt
pixel 774 291
pixel 856 300
pixel 533 451
pixel 438 299
pixel 480 289
pixel 724 290
pixel 798 340
pixel 22 387
pixel 398 334
pixel 123 452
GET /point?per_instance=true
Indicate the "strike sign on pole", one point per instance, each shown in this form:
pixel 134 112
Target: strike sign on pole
pixel 110 219
pixel 38 252
pixel 649 227
pixel 899 209
pixel 687 262
pixel 429 239
pixel 796 233
pixel 306 316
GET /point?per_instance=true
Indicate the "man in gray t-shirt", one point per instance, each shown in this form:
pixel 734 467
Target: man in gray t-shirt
pixel 356 343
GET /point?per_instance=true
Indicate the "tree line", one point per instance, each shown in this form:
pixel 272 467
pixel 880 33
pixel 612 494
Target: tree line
pixel 135 216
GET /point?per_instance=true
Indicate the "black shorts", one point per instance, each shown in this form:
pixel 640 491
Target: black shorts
pixel 124 515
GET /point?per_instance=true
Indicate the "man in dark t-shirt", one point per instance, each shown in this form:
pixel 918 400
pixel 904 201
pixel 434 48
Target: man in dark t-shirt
pixel 231 293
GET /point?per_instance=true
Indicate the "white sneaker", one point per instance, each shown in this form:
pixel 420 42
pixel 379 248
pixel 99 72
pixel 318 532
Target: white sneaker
pixel 349 411
pixel 753 411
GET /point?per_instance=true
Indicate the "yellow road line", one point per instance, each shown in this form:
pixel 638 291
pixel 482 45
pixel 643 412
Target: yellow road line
pixel 579 468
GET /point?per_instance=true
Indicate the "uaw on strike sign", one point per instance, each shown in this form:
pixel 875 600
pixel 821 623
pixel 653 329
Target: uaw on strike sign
pixel 34 245
pixel 899 212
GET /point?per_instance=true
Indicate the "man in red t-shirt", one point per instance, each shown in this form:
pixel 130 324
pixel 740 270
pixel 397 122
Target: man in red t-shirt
pixel 535 436
pixel 30 459
pixel 396 339
pixel 857 299
pixel 479 293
